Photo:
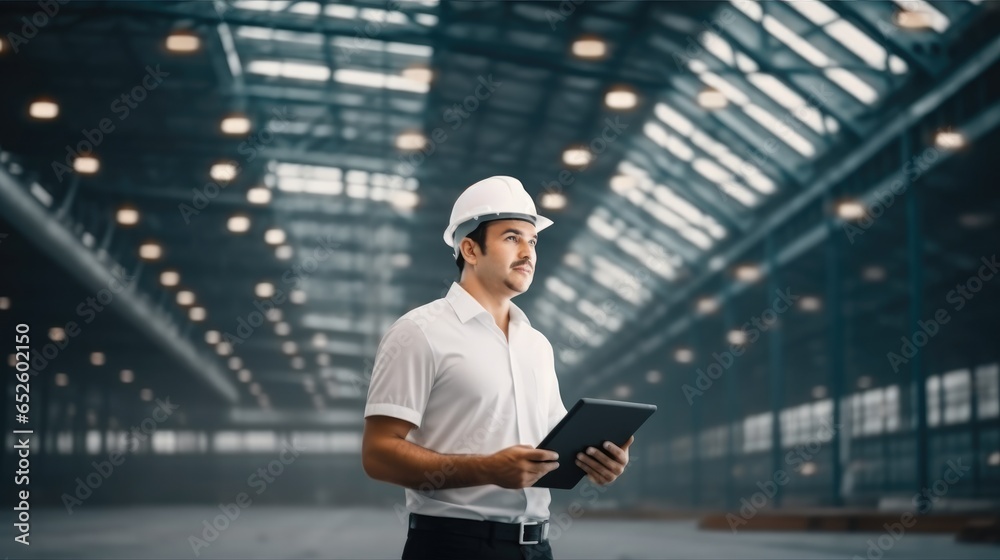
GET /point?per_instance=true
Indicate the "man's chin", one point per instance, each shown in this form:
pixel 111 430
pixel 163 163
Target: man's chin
pixel 518 287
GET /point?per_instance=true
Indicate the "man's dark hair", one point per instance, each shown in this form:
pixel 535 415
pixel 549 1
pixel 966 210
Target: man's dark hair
pixel 478 236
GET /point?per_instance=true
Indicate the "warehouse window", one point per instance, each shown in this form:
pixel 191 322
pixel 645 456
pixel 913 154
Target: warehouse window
pixel 227 442
pixel 713 441
pixel 164 442
pixel 987 391
pixel 933 400
pixel 93 442
pixel 957 396
pixel 757 433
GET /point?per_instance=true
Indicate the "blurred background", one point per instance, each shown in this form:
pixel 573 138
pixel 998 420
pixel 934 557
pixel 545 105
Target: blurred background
pixel 777 221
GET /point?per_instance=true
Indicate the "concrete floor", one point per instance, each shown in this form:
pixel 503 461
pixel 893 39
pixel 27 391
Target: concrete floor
pixel 275 532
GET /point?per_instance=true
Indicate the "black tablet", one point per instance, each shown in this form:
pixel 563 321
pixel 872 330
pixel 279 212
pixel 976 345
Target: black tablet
pixel 589 423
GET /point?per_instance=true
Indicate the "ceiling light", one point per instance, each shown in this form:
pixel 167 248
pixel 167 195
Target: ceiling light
pixel 747 273
pixel 912 19
pixel 223 348
pixel 974 220
pixel 282 329
pixel 264 290
pixel 56 334
pixel 244 376
pixel 4 303
pixel 850 210
pixel 238 224
pixel 223 171
pixel 411 141
pixel 235 125
pixel 400 260
pixel 259 195
pixel 621 99
pixel 62 380
pixel 736 336
pixel 576 157
pixel 127 216
pixel 319 340
pixel 235 363
pixel 553 201
pixel 127 376
pixel 818 392
pixel 185 297
pixel 323 359
pixel 589 48
pixel 298 362
pixel 297 296
pixel 212 337
pixel 684 355
pixel 711 98
pixel 623 391
pixel 183 42
pixel 97 358
pixel 86 164
pixel 43 110
pixel 284 252
pixel 653 377
pixel 255 388
pixel 274 236
pixel 273 314
pixel 150 251
pixel 418 74
pixel 403 199
pixel 949 140
pixel 289 347
pixel 707 305
pixel 146 394
pixel 197 313
pixel 810 303
pixel 873 273
pixel 170 278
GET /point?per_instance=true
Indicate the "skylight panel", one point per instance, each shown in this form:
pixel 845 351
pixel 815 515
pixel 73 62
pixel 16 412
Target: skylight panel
pixel 560 288
pixel 787 98
pixel 817 12
pixel 666 140
pixel 939 21
pixel 781 130
pixel 287 69
pixel 378 80
pixel 802 47
pixel 852 84
pixel 674 119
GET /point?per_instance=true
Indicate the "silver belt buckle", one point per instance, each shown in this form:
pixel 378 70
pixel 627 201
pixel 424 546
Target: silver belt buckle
pixel 520 536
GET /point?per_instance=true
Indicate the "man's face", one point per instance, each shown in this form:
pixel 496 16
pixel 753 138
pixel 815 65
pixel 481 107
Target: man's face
pixel 508 265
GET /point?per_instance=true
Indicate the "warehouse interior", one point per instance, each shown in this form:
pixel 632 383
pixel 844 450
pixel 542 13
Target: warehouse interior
pixel 775 220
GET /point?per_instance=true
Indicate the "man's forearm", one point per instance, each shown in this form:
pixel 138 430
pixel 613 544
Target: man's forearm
pixel 408 464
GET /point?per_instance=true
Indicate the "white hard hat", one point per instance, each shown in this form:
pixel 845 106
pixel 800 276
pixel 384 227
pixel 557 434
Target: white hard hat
pixel 495 198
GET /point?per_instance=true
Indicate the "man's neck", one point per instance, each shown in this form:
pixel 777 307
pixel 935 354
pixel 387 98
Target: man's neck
pixel 497 306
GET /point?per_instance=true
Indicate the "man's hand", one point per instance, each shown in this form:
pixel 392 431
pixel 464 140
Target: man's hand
pixel 520 466
pixel 604 468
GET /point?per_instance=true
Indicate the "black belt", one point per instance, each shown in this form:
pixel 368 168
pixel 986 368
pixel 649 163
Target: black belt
pixel 527 532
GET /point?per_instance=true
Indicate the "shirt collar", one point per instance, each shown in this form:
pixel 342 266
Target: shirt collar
pixel 466 306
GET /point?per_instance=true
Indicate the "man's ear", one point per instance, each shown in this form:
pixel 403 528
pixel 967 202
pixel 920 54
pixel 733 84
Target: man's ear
pixel 468 250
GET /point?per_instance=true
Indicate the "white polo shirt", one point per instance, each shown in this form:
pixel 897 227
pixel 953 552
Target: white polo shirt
pixel 447 368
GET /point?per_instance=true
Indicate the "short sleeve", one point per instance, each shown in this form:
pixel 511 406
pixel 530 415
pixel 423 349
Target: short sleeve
pixel 403 374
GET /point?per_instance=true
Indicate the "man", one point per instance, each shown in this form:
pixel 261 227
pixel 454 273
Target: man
pixel 463 387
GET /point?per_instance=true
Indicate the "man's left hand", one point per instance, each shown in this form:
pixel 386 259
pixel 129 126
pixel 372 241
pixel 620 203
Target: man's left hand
pixel 604 466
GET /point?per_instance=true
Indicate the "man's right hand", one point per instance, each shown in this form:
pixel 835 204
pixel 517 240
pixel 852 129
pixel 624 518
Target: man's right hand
pixel 521 466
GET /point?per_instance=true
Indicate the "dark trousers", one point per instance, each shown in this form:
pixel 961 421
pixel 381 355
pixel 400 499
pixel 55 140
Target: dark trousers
pixel 437 545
